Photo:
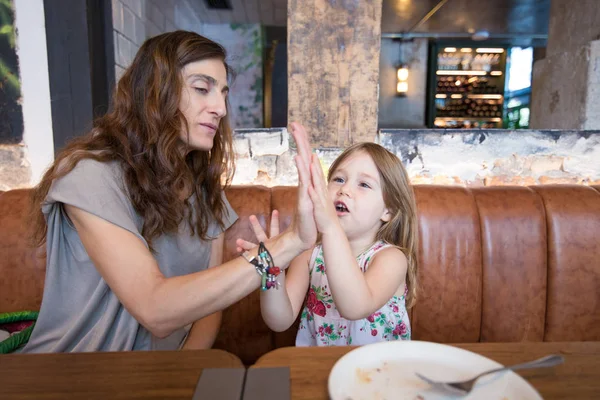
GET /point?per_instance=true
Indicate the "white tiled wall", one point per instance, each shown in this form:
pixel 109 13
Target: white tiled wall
pixel 136 20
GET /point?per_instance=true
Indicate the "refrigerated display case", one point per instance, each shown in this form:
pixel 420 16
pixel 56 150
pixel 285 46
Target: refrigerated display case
pixel 466 85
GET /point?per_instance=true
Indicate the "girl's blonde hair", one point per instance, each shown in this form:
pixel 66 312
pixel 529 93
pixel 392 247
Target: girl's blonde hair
pixel 399 198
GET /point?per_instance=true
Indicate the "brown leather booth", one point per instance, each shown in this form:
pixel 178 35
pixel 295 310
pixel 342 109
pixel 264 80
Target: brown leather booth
pixel 496 264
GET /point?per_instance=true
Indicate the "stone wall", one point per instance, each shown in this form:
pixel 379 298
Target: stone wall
pixel 448 157
pixel 15 171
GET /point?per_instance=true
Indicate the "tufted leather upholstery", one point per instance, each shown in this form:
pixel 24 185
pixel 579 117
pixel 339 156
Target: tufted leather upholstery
pixel 498 264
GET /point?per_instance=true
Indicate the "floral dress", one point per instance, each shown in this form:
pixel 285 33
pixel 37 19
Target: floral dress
pixel 322 325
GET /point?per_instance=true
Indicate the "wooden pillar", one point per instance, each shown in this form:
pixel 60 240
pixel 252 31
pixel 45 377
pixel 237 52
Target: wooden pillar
pixel 333 69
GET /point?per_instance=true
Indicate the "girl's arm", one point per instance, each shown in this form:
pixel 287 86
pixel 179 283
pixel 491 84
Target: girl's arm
pixel 280 307
pixel 204 332
pixel 356 295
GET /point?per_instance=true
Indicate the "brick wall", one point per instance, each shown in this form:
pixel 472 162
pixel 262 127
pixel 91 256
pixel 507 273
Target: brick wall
pixel 136 20
pixel 447 157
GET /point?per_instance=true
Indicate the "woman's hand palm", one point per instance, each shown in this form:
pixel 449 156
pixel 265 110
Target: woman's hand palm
pixel 304 222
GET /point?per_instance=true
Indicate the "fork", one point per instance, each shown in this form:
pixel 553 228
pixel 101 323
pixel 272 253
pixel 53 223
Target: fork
pixel 463 388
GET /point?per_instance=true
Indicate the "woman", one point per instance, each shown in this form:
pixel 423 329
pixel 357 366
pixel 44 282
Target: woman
pixel 133 213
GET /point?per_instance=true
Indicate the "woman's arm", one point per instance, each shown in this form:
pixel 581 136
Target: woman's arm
pixel 163 304
pixel 205 331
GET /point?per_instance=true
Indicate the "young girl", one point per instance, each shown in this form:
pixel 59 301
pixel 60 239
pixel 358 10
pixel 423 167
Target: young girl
pixel 355 285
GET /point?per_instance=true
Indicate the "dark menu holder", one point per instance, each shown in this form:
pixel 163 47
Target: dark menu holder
pixel 220 383
pixel 267 383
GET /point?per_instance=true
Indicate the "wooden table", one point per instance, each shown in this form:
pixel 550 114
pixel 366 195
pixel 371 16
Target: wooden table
pixel 123 375
pixel 577 378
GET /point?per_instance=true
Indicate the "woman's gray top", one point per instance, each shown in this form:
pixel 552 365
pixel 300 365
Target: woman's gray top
pixel 79 311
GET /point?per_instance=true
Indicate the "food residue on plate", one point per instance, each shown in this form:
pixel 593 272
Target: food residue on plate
pixel 363 376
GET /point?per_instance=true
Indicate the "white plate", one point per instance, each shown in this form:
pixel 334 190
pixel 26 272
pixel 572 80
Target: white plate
pixel 386 370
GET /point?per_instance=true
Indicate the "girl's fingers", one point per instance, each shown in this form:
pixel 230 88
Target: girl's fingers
pixel 316 174
pixel 314 196
pixel 274 223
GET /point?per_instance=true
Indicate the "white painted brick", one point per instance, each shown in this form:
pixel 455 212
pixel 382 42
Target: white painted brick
pixel 151 29
pixel 269 143
pixel 241 146
pixel 136 6
pixel 156 16
pixel 140 31
pixel 168 10
pixel 119 72
pixel 120 50
pixel 128 24
pixel 170 26
pixel 246 170
pixel 117 15
pixel 126 51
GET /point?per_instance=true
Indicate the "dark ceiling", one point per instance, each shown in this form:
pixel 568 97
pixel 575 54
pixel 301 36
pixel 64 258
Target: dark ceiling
pixel 507 17
pixel 494 16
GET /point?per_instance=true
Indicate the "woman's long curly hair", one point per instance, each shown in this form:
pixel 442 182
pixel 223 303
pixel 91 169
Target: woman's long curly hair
pixel 142 133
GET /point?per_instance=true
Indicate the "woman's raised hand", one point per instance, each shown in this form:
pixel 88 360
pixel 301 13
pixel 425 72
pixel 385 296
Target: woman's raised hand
pixel 303 224
pixel 261 236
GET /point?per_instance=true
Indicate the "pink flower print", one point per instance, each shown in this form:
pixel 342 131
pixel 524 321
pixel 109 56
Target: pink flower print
pixel 395 308
pixel 321 331
pixel 319 309
pixel 403 328
pixel 311 299
pixel 373 332
pixel 314 305
pixel 371 318
pixel 400 330
pixel 328 330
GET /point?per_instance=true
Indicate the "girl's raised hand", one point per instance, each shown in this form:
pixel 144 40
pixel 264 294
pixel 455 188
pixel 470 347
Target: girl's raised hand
pixel 324 209
pixel 261 236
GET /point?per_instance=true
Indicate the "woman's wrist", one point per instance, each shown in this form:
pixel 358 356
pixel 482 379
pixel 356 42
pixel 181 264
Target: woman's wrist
pixel 287 246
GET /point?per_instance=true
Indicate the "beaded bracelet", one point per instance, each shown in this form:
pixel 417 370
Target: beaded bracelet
pixel 265 266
